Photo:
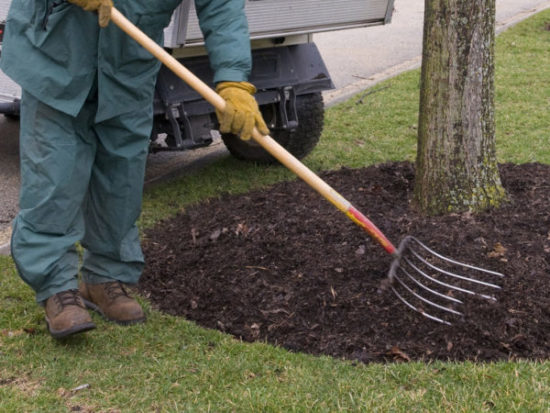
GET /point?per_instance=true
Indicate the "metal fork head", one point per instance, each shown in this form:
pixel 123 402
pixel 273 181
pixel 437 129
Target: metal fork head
pixel 435 285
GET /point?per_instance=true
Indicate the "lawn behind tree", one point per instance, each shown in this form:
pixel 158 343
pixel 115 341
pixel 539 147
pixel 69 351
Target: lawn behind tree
pixel 170 364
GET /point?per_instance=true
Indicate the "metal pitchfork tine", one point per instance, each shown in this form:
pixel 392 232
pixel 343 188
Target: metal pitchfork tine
pixel 403 256
pixel 405 251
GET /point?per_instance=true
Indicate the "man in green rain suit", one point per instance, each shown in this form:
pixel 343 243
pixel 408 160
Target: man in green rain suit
pixel 86 118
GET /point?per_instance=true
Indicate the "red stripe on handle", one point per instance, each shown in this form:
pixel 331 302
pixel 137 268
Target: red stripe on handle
pixel 372 229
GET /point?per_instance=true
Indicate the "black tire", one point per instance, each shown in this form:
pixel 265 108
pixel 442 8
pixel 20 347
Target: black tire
pixel 299 142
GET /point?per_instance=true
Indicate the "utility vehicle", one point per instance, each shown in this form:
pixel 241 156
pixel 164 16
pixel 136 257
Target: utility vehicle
pixel 288 71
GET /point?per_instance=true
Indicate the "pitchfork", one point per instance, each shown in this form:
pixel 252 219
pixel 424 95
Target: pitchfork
pixel 416 272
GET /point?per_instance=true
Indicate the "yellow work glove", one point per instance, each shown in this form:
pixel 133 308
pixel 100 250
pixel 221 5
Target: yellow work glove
pixel 241 110
pixel 103 8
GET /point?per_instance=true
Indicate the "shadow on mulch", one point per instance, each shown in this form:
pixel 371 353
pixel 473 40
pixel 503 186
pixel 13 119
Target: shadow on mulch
pixel 284 266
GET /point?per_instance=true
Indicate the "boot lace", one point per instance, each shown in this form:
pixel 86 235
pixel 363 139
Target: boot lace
pixel 69 297
pixel 116 289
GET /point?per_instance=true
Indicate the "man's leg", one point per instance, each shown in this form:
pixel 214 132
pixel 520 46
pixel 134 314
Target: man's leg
pixel 56 153
pixel 113 254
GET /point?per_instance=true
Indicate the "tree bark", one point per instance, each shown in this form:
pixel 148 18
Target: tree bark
pixel 456 167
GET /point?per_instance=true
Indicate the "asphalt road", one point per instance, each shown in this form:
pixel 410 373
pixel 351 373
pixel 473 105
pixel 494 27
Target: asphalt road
pixel 360 57
pixel 356 59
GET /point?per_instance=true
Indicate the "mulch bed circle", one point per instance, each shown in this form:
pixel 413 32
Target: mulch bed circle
pixel 284 266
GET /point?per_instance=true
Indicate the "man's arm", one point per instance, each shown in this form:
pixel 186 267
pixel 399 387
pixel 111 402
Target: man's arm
pixel 225 29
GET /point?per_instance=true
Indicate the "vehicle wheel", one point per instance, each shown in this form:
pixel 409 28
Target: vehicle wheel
pixel 298 142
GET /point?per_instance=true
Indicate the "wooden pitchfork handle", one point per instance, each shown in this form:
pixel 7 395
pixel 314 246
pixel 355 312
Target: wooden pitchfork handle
pixel 268 143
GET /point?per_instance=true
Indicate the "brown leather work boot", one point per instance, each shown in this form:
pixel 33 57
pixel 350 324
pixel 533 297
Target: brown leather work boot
pixel 66 314
pixel 113 302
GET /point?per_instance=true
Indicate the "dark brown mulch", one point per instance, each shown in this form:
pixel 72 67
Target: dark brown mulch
pixel 283 265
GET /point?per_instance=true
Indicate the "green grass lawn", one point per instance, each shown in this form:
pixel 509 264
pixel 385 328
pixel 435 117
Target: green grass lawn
pixel 170 364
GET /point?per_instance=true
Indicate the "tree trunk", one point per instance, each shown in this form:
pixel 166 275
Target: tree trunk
pixel 456 167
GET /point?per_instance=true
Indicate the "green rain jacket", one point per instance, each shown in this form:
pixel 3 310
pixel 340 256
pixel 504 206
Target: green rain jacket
pixel 54 50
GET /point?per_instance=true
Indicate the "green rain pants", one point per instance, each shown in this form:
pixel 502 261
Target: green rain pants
pixel 80 181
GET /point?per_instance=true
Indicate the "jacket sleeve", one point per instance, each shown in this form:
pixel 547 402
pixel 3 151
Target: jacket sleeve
pixel 225 29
